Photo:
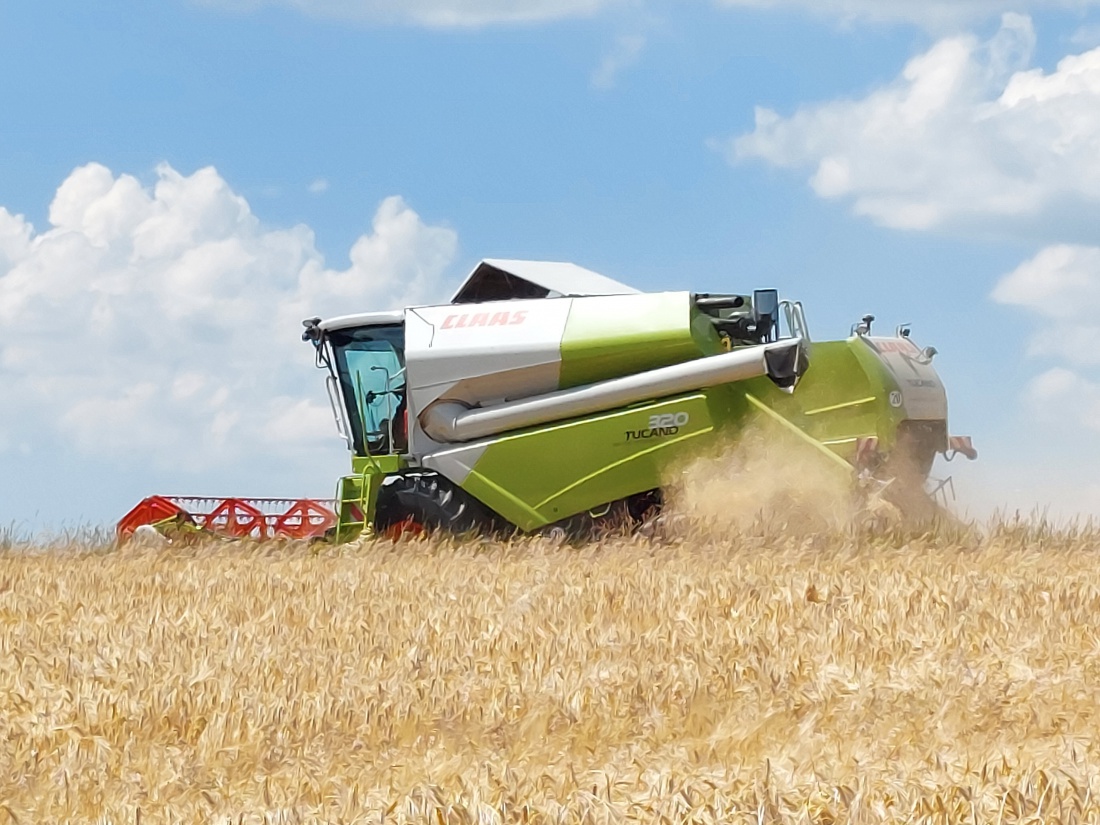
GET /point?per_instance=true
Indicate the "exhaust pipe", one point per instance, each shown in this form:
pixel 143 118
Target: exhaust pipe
pixel 452 421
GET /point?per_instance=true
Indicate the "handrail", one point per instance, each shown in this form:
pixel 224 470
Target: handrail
pixel 796 320
pixel 337 411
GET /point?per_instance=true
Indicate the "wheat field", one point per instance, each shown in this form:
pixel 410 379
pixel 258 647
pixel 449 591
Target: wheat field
pixel 744 676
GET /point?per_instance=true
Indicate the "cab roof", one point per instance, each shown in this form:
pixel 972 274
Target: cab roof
pixel 364 319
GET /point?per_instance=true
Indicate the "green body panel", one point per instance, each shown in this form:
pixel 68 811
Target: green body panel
pixel 537 477
pixel 844 396
pixel 767 415
pixel 357 495
pixel 610 336
pixel 540 476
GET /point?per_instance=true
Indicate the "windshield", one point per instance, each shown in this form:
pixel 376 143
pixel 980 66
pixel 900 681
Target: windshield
pixel 370 367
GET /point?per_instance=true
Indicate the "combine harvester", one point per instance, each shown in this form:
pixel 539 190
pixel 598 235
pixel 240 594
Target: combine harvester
pixel 545 396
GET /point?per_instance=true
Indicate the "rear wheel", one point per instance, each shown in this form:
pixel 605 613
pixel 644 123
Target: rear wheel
pixel 410 505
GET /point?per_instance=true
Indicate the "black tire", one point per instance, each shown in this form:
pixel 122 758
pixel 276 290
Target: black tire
pixel 429 503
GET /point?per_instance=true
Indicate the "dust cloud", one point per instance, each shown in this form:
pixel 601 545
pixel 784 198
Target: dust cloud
pixel 770 481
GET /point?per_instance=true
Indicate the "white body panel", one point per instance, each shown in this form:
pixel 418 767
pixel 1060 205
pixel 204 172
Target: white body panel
pixel 922 393
pixel 483 353
pixel 452 345
pixel 456 462
pixel 364 319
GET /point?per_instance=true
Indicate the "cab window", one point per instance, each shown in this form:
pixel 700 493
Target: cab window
pixel 370 366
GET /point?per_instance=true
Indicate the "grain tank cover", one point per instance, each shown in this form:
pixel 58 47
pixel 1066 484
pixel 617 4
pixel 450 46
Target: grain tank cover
pixel 500 280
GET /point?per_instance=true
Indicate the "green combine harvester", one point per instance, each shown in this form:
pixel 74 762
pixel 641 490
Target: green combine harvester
pixel 545 396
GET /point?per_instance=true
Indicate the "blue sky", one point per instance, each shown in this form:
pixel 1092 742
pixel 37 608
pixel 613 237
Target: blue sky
pixel 181 182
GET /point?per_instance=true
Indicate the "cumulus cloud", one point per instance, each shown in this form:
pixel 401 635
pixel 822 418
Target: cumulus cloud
pixel 1060 289
pixel 1062 396
pixel 968 132
pixel 165 320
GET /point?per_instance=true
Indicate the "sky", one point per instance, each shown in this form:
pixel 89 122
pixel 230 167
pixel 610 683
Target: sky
pixel 182 182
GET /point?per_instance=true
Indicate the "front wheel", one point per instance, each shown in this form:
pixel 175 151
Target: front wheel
pixel 414 504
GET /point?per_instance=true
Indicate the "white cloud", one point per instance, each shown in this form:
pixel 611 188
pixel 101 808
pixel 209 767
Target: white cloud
pixel 1060 396
pixel 1060 289
pixel 440 13
pixel 165 322
pixel 318 186
pixel 625 53
pixel 1060 282
pixel 1059 292
pixel 967 133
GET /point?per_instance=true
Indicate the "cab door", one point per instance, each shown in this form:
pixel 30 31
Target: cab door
pixel 370 368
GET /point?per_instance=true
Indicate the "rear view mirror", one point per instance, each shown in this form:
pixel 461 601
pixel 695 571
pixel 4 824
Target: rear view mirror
pixel 765 312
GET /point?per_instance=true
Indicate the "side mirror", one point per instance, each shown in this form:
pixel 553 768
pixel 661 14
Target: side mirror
pixel 312 330
pixel 765 312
